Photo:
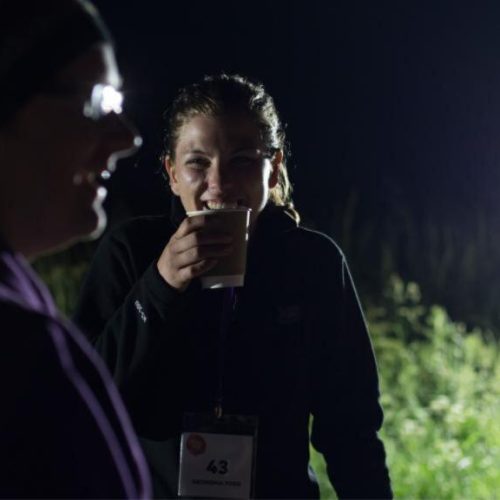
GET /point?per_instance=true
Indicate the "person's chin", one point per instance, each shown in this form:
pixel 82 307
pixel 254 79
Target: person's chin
pixel 101 220
pixel 95 224
pixel 91 220
pixel 82 225
pixel 87 223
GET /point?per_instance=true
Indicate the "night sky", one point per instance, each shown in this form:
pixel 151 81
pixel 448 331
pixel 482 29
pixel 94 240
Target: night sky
pixel 398 102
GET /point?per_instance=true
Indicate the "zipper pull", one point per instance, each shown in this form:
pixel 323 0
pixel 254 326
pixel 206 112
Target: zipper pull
pixel 218 410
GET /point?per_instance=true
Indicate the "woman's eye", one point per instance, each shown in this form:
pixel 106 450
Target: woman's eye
pixel 243 160
pixel 198 162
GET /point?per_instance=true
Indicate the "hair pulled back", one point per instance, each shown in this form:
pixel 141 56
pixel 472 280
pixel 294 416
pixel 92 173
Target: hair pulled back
pixel 223 94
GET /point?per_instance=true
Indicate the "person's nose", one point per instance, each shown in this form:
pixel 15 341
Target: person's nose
pixel 219 178
pixel 122 138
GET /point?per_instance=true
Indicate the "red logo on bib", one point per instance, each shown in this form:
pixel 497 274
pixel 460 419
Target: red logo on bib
pixel 195 444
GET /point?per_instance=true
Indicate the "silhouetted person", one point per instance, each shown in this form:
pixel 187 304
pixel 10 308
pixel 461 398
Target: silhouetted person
pixel 63 429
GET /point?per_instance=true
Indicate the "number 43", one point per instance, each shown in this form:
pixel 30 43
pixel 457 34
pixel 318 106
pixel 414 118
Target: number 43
pixel 217 467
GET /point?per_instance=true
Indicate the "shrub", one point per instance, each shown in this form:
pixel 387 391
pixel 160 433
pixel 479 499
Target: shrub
pixel 441 396
pixel 63 274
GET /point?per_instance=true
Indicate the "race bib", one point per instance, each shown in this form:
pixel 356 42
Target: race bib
pixel 217 457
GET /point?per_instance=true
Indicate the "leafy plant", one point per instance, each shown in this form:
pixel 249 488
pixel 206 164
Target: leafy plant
pixel 63 274
pixel 441 396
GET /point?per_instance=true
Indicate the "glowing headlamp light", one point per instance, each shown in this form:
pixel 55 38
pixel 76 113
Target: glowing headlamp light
pixel 105 99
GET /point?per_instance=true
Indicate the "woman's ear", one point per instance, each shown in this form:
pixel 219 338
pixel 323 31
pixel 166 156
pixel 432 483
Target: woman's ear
pixel 169 166
pixel 276 162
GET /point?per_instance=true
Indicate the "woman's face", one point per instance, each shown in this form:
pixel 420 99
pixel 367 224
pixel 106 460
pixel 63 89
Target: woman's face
pixel 62 141
pixel 220 162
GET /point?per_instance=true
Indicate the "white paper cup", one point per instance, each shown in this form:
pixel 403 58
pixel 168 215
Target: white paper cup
pixel 230 269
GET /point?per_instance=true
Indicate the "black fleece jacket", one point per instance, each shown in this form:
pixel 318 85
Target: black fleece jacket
pixel 297 346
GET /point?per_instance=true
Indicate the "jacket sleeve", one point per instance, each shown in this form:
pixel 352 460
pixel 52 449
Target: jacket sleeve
pixel 345 402
pixel 131 314
pixel 60 437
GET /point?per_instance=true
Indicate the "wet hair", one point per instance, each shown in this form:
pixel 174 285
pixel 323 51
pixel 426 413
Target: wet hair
pixel 223 94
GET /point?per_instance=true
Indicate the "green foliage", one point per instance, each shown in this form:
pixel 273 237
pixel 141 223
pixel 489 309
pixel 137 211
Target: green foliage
pixel 318 464
pixel 63 274
pixel 441 395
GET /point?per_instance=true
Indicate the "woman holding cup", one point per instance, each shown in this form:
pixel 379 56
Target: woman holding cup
pixel 221 379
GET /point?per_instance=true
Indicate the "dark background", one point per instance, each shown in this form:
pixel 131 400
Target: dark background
pixel 393 113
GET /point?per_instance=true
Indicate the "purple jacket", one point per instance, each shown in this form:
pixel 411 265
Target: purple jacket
pixel 64 431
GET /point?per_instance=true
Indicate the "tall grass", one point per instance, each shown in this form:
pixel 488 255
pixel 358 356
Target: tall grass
pixel 63 273
pixel 441 396
pixel 454 258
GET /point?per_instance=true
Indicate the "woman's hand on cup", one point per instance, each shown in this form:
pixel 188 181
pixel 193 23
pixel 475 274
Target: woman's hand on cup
pixel 192 250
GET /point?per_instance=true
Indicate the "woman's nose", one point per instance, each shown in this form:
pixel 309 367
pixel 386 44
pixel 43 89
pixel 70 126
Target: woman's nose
pixel 219 178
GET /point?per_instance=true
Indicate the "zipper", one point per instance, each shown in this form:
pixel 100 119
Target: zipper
pixel 228 315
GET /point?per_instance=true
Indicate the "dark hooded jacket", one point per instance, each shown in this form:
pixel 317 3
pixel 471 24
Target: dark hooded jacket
pixel 64 432
pixel 297 346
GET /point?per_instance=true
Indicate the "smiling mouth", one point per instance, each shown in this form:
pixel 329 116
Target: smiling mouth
pixel 218 205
